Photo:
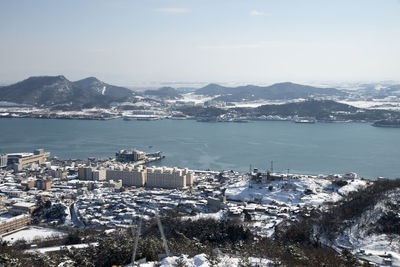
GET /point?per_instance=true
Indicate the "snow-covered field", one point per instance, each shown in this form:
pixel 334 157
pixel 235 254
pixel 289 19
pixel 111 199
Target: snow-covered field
pixel 292 191
pixel 197 99
pixel 29 234
pixel 282 199
pixel 390 105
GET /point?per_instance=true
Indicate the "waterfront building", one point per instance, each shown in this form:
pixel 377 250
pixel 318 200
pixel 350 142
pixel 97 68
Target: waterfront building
pixel 20 161
pixel 130 155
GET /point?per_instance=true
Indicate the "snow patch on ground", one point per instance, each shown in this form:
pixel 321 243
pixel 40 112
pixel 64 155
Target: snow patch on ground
pixel 202 260
pixel 31 233
pixel 216 216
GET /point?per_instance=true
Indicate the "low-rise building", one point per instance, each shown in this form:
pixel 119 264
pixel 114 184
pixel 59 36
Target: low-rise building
pixel 14 223
pixel 22 208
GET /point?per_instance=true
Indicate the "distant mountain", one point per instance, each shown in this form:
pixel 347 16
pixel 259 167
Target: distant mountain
pixel 95 85
pixel 312 108
pixel 278 91
pixel 51 91
pixel 165 93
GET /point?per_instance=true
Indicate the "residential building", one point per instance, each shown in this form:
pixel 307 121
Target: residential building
pixel 3 160
pixel 14 223
pixel 129 176
pixel 42 184
pixel 167 177
pixel 22 208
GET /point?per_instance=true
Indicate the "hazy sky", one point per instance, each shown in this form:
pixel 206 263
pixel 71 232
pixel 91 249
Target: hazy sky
pixel 133 42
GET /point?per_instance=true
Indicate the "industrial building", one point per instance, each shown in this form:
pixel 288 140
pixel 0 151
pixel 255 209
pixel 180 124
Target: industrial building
pixel 20 161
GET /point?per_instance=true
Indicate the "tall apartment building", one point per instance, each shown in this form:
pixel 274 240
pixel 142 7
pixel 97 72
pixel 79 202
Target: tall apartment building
pixel 91 173
pixel 42 184
pixel 168 177
pixel 138 176
pixel 3 160
pixel 129 176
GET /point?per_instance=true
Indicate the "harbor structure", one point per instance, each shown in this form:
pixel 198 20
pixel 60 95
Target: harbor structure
pixel 130 155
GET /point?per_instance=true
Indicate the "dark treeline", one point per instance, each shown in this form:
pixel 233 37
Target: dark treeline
pixel 340 215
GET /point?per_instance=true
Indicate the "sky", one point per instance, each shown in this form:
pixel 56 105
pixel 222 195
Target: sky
pixel 150 42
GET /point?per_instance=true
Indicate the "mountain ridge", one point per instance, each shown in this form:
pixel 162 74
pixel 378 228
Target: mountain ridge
pixel 51 91
pixel 277 91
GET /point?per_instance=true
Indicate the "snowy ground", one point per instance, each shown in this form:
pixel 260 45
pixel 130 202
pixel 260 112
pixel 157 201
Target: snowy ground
pixel 29 234
pixel 216 216
pixel 202 260
pixel 68 219
pixel 376 247
pixel 284 200
pixel 192 97
pixel 292 191
pixel 390 105
pixel 58 248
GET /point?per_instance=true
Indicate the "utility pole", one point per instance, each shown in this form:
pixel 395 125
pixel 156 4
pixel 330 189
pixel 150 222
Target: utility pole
pixel 272 166
pixel 138 233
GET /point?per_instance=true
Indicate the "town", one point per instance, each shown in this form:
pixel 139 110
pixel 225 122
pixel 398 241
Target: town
pixel 114 193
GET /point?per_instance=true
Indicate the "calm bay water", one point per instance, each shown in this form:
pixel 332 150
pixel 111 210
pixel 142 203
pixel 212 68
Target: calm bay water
pixel 303 148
